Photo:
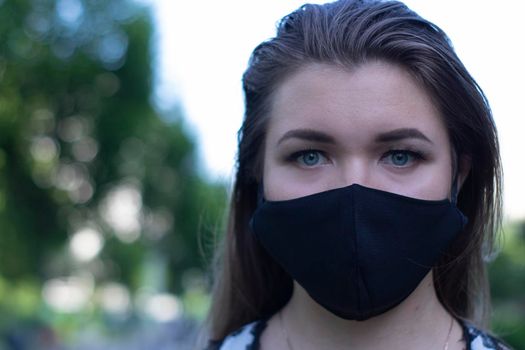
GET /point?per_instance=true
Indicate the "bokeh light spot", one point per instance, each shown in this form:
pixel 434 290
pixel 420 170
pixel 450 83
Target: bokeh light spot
pixel 69 11
pixel 122 210
pixel 68 295
pixel 86 243
pixel 44 149
pixel 163 307
pixel 115 298
pixel 85 150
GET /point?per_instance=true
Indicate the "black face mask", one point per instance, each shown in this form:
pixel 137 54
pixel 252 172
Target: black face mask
pixel 357 251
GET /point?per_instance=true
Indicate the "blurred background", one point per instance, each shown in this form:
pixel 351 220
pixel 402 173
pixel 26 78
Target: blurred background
pixel 109 208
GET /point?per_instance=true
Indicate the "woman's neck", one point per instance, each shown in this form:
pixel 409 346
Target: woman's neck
pixel 419 322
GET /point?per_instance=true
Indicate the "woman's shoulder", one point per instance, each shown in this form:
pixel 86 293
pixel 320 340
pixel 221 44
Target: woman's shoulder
pixel 245 338
pixel 478 339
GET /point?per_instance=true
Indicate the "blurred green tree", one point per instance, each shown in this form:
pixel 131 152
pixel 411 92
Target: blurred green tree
pixel 507 277
pixel 92 179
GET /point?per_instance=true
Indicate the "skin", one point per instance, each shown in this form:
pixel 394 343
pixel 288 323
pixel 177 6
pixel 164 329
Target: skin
pixel 372 125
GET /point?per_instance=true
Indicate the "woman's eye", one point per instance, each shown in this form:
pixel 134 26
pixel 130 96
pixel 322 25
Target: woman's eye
pixel 401 158
pixel 309 158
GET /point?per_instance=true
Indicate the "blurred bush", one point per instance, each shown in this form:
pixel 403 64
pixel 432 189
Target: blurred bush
pixel 507 277
pixel 101 201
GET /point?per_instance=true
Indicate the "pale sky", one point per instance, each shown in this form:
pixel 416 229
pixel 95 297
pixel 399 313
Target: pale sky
pixel 203 49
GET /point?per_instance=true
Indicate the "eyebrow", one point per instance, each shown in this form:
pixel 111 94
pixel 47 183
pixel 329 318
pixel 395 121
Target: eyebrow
pixel 307 135
pixel 321 137
pixel 401 134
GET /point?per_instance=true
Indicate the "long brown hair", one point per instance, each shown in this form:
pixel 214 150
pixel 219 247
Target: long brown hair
pixel 249 285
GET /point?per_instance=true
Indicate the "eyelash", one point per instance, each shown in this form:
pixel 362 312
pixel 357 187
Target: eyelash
pixel 294 157
pixel 416 155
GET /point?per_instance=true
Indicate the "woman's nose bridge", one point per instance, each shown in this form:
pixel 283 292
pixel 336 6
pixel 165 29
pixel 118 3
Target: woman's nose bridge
pixel 356 171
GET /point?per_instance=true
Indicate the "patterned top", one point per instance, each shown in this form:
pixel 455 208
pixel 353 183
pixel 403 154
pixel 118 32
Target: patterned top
pixel 247 338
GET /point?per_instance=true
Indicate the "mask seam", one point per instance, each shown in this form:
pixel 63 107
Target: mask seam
pixel 356 252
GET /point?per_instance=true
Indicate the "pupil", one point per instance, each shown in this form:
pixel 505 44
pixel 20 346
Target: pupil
pixel 400 159
pixel 311 158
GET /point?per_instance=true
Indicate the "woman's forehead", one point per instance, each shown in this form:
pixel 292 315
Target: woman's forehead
pixel 375 96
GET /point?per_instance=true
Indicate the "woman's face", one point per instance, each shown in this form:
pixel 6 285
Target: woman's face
pixel 374 126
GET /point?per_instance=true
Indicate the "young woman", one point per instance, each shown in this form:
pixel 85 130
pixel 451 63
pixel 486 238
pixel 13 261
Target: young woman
pixel 367 190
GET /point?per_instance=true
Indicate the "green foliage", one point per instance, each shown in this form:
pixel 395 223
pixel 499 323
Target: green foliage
pixel 507 276
pixel 82 148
